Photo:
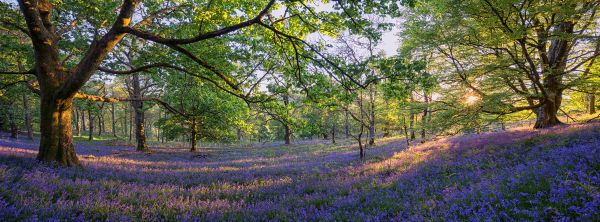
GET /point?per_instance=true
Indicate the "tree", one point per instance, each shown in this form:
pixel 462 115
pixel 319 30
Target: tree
pixel 533 49
pixel 59 85
pixel 202 112
pixel 70 46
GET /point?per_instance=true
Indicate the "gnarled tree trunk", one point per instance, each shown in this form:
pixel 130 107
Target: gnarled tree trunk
pixel 553 69
pixel 56 141
pixel 547 114
pixel 58 85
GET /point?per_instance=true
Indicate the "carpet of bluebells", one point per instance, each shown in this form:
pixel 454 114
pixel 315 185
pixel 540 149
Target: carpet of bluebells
pixel 520 174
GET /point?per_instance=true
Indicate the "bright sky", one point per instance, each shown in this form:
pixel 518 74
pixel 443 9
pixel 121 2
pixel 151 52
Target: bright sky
pixel 389 42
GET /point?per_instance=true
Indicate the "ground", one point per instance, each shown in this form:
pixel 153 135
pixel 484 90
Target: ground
pixel 520 174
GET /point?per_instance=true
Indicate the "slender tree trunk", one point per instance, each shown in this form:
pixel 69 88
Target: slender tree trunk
pixel 333 131
pixel 158 132
pixel 288 131
pixel 405 131
pixel 360 145
pixel 193 136
pixel 12 121
pixel 346 124
pixel 77 122
pixel 424 118
pixel 125 121
pixel 130 120
pixel 239 135
pixel 103 122
pixel 56 140
pixel 28 122
pixel 91 125
pixel 83 127
pixel 113 120
pixel 591 103
pixel 362 127
pixel 162 135
pixel 372 117
pixel 411 124
pixel 100 124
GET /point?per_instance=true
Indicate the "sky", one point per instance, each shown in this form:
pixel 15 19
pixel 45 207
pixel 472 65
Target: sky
pixel 389 43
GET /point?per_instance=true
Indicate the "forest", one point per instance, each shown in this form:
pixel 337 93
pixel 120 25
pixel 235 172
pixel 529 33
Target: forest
pixel 299 110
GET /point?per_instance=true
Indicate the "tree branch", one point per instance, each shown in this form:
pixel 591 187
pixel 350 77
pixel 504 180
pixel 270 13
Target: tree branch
pixel 152 37
pixel 98 50
pixel 29 72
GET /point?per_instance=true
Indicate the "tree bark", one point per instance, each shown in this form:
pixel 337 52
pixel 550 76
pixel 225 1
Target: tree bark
pixel 547 114
pixel 56 141
pixel 77 122
pixel 124 123
pixel 591 103
pixel 424 118
pixel 113 120
pixel 360 145
pixel 288 131
pixel 193 136
pixel 553 70
pixel 372 118
pixel 140 134
pixel 288 134
pixel 100 127
pixel 405 131
pixel 130 120
pixel 346 125
pixel 83 127
pixel 411 125
pixel 91 125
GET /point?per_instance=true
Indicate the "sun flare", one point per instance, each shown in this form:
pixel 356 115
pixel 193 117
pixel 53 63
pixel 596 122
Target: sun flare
pixel 470 100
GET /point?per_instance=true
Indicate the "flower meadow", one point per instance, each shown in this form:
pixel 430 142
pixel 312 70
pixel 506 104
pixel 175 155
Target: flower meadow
pixel 521 174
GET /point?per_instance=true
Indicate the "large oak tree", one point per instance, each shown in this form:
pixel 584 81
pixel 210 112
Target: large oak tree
pixel 515 55
pixel 73 40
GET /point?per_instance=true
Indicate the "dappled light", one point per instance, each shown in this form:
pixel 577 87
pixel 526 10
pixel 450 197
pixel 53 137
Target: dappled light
pixel 276 110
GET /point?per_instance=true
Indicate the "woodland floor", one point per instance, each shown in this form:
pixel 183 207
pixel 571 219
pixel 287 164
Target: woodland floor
pixel 518 174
